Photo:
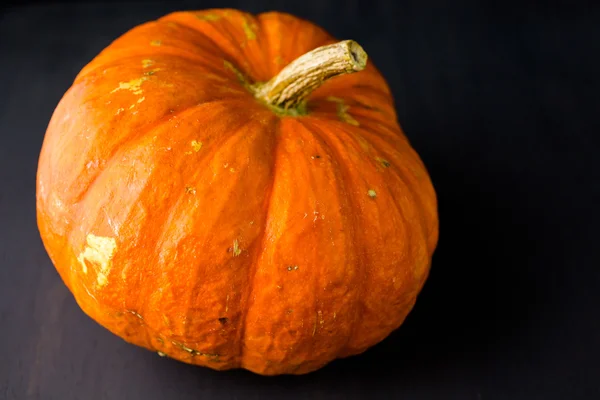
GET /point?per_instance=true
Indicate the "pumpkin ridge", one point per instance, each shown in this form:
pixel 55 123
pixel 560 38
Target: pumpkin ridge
pixel 405 175
pixel 142 132
pixel 183 25
pixel 344 134
pixel 358 246
pixel 207 155
pixel 224 26
pixel 119 55
pixel 194 291
pixel 261 239
pixel 286 19
pixel 267 47
pixel 340 165
pixel 227 27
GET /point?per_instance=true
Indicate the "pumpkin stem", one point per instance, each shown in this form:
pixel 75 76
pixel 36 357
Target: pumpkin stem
pixel 290 88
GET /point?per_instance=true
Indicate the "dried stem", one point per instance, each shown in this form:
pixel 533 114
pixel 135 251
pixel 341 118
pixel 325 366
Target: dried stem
pixel 294 83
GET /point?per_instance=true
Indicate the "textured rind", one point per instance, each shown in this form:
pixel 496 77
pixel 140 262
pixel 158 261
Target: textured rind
pixel 187 218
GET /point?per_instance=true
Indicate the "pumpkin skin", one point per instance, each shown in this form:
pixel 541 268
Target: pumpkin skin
pixel 190 219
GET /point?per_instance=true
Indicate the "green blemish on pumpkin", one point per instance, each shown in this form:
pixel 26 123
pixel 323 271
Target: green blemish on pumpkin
pixel 342 110
pixel 236 248
pixel 278 60
pixel 290 112
pixel 383 162
pixel 208 17
pixel 334 99
pixel 146 63
pixel 190 190
pixel 160 340
pixel 372 194
pixel 155 43
pixel 254 87
pixel 192 351
pixel 241 78
pixel 249 30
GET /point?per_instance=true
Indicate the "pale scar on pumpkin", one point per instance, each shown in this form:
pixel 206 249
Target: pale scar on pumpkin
pixel 119 111
pixel 372 193
pixel 136 314
pixel 155 43
pixel 236 248
pixel 292 268
pixel 147 63
pixel 99 251
pixel 134 85
pixel 196 146
pixel 190 190
pixel 208 17
pixel 161 354
pixel 342 110
pixel 192 351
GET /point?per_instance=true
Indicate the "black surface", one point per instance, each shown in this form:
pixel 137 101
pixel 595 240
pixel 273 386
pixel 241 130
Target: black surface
pixel 501 103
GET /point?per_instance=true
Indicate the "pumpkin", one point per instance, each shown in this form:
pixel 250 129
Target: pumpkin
pixel 235 191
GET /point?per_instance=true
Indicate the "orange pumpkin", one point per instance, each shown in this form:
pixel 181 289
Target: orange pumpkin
pixel 202 201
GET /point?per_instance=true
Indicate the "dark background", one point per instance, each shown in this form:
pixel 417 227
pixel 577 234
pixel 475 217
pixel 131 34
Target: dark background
pixel 501 101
